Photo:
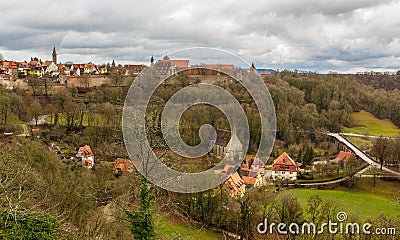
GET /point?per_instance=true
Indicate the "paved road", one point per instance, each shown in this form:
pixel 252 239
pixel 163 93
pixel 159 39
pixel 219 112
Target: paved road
pixel 41 120
pixel 360 135
pixel 320 183
pixel 361 154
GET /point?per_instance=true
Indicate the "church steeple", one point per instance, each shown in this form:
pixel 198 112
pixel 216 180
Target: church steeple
pixel 253 68
pixel 152 61
pixel 54 55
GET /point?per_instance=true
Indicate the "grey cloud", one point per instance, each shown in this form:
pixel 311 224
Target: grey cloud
pixel 309 34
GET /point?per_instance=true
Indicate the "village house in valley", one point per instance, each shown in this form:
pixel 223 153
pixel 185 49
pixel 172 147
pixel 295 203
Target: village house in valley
pixel 122 166
pixel 234 184
pixel 285 168
pixel 86 156
pixel 343 156
pixel 253 171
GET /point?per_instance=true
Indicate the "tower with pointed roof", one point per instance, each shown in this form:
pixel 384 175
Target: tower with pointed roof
pixel 252 68
pixel 234 146
pixel 152 61
pixel 54 55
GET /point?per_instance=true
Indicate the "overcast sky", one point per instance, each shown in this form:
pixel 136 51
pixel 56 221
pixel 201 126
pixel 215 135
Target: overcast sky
pixel 339 35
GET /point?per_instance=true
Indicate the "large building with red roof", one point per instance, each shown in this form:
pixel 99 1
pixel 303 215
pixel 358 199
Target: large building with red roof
pixel 343 156
pixel 284 167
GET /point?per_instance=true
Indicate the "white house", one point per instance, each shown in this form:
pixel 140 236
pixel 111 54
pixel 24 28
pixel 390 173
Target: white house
pixel 86 156
pixel 284 167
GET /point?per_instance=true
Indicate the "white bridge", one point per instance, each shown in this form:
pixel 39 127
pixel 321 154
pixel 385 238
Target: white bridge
pixel 361 155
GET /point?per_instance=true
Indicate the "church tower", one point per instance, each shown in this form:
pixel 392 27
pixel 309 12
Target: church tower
pixel 54 55
pixel 252 68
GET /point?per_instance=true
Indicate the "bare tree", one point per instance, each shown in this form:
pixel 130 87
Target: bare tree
pixel 4 108
pixel 35 84
pixel 380 150
pixel 47 83
pixel 36 111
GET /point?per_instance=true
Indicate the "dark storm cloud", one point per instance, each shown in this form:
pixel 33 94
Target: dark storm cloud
pixel 309 34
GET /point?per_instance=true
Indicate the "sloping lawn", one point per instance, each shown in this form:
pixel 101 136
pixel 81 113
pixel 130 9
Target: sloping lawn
pixel 362 143
pixel 365 200
pixel 174 228
pixel 366 123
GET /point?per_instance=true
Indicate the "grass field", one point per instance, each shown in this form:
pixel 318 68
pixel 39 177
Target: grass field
pixel 12 119
pixel 63 120
pixel 376 171
pixel 361 142
pixel 365 200
pixel 366 123
pixel 174 228
pixel 97 119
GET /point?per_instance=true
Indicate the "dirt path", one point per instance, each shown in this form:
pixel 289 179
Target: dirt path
pixel 26 132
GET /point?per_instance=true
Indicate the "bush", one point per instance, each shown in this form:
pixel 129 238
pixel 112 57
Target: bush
pixel 28 226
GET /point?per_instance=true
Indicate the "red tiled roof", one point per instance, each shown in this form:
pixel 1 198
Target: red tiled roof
pixel 220 67
pixel 180 63
pixel 9 64
pixel 60 66
pixel 249 180
pixel 237 180
pixel 86 151
pixel 284 162
pixel 23 64
pixel 47 63
pixel 122 164
pixel 343 156
pixel 252 163
pixel 177 63
pixel 284 159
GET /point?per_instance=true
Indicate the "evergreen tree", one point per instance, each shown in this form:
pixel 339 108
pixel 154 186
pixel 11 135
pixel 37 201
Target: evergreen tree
pixel 308 156
pixel 245 222
pixel 299 159
pixel 142 225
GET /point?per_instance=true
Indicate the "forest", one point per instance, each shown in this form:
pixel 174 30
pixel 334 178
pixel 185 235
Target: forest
pixel 52 198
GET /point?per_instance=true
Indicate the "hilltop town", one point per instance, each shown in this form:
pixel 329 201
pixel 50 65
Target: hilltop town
pixel 63 145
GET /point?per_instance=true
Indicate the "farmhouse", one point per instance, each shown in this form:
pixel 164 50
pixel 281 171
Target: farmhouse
pixel 343 156
pixel 284 167
pixel 122 166
pixel 86 156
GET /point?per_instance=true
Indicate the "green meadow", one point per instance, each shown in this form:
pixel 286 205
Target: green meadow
pixel 168 227
pixel 364 200
pixel 361 142
pixel 365 123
